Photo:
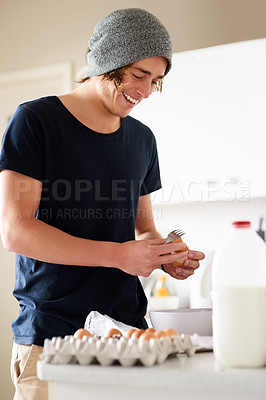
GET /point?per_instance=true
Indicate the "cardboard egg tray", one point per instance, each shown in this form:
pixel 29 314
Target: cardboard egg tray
pixel 107 351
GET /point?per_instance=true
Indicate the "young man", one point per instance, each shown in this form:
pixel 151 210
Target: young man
pixel 76 179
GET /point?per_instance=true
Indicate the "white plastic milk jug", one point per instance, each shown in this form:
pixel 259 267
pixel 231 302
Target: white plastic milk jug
pixel 239 299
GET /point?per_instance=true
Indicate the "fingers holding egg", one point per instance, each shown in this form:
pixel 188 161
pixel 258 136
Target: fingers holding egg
pixel 181 261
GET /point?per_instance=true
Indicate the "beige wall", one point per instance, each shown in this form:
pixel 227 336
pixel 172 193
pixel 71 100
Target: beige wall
pixel 36 33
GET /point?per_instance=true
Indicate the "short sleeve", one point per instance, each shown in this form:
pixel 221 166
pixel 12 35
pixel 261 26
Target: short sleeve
pixel 23 144
pixel 152 180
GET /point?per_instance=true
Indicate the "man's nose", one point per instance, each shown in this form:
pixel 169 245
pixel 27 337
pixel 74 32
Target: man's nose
pixel 145 90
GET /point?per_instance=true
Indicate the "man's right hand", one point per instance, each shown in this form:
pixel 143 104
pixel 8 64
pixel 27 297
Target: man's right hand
pixel 141 257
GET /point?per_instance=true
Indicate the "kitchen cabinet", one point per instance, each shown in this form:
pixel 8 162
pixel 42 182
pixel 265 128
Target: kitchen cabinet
pixel 209 123
pixel 182 377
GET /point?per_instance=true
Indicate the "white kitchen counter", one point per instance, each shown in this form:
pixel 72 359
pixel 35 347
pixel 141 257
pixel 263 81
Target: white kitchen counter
pixel 180 377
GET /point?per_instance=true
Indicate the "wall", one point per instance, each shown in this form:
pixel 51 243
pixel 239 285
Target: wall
pixel 9 311
pixel 205 223
pixel 36 33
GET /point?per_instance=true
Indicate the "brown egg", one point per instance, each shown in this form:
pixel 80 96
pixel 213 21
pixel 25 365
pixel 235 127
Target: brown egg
pixel 81 332
pixel 137 333
pixel 171 332
pixel 113 332
pixel 159 334
pixel 146 336
pixel 129 332
pixel 181 262
pixel 150 330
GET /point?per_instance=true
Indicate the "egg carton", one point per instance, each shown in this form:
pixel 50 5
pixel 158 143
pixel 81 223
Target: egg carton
pixel 107 351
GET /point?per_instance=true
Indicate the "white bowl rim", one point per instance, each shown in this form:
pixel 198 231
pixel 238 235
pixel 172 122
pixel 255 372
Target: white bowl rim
pixel 182 310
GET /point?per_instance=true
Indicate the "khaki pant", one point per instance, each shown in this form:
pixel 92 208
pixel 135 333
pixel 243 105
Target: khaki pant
pixel 24 373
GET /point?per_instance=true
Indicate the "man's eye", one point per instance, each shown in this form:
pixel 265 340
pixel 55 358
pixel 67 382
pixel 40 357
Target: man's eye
pixel 137 76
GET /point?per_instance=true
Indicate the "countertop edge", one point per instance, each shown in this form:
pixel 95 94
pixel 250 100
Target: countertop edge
pixel 199 373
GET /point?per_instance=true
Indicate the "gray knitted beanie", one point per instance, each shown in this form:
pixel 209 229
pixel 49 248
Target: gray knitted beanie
pixel 124 37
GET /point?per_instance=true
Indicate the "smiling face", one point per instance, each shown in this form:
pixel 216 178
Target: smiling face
pixel 138 83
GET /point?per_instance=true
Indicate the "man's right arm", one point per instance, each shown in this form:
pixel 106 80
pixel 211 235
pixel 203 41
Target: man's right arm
pixel 22 233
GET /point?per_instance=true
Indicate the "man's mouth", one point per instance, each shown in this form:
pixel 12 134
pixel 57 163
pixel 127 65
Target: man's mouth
pixel 129 98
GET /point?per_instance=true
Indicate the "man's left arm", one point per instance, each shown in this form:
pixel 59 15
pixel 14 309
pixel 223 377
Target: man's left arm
pixel 145 229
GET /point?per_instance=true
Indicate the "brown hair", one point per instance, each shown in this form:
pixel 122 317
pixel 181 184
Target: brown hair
pixel 117 77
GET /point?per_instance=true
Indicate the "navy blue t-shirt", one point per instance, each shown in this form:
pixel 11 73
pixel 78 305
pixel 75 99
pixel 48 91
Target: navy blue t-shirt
pixel 91 187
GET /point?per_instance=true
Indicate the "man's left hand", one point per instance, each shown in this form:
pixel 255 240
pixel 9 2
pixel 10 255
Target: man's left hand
pixel 189 266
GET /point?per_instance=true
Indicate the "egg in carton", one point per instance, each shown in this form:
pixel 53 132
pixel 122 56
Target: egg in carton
pixel 154 351
pixel 183 344
pixel 85 350
pixel 57 351
pixel 107 351
pixel 128 352
pixel 148 347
